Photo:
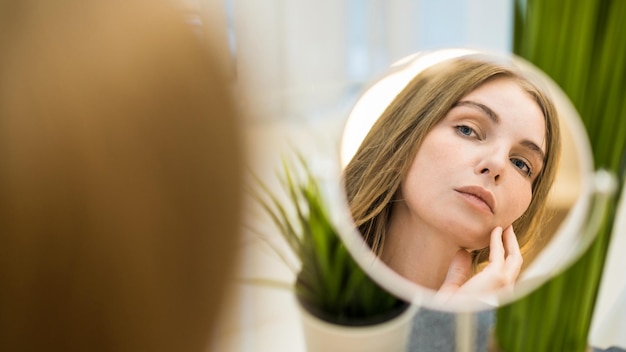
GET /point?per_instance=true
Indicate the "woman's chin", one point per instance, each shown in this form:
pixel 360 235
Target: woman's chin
pixel 470 238
pixel 474 245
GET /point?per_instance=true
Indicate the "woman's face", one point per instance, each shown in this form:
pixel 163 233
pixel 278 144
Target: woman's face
pixel 475 169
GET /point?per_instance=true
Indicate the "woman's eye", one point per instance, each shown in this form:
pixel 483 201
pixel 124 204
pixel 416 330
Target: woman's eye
pixel 523 166
pixel 465 130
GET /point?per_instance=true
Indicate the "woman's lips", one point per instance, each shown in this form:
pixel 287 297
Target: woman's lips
pixel 478 195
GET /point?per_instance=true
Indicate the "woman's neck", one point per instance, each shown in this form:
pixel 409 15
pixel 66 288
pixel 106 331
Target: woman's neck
pixel 415 250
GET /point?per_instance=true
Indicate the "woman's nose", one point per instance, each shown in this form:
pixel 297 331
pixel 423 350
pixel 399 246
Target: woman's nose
pixel 492 165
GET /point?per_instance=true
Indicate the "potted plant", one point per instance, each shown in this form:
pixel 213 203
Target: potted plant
pixel 341 305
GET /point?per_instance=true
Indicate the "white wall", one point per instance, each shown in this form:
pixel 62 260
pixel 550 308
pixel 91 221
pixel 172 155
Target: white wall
pixel 302 59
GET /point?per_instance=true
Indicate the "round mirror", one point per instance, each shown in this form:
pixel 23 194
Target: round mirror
pixel 452 174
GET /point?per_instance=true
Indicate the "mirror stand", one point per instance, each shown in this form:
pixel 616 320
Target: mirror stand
pixel 465 332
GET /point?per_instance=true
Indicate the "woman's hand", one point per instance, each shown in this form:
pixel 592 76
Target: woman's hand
pixel 505 262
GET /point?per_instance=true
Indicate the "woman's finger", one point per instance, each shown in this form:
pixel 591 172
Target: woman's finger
pixel 496 247
pixel 459 272
pixel 510 242
pixel 514 259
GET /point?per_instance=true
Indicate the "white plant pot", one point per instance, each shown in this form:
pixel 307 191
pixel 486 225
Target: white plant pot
pixel 389 336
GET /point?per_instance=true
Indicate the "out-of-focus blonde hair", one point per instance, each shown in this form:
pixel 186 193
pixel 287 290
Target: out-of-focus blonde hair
pixel 374 174
pixel 120 164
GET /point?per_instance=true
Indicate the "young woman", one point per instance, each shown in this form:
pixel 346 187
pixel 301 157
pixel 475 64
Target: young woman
pixel 449 187
pixel 120 173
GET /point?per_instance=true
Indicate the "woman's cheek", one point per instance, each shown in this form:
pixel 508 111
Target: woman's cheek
pixel 523 199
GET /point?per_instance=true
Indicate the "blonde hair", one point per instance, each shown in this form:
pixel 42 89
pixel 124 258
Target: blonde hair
pixel 374 174
pixel 120 165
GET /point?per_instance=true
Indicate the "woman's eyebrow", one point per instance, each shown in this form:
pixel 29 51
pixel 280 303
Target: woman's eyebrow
pixel 533 147
pixel 484 108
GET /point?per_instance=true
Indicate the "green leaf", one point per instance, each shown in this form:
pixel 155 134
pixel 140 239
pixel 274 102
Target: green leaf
pixel 581 46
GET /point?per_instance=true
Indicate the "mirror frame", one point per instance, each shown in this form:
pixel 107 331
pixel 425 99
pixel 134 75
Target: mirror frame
pixel 551 260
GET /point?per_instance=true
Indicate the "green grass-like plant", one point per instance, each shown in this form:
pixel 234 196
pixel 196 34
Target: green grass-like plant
pixel 329 283
pixel 581 46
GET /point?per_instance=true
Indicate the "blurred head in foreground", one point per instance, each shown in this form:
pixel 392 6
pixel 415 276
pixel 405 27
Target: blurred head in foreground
pixel 119 178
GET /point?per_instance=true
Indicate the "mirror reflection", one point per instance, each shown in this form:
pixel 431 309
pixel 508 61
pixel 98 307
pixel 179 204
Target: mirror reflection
pixel 453 186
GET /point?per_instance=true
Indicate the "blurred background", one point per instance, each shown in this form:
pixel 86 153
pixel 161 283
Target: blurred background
pixel 300 66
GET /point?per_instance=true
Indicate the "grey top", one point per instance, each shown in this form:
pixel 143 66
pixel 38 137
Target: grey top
pixel 434 331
